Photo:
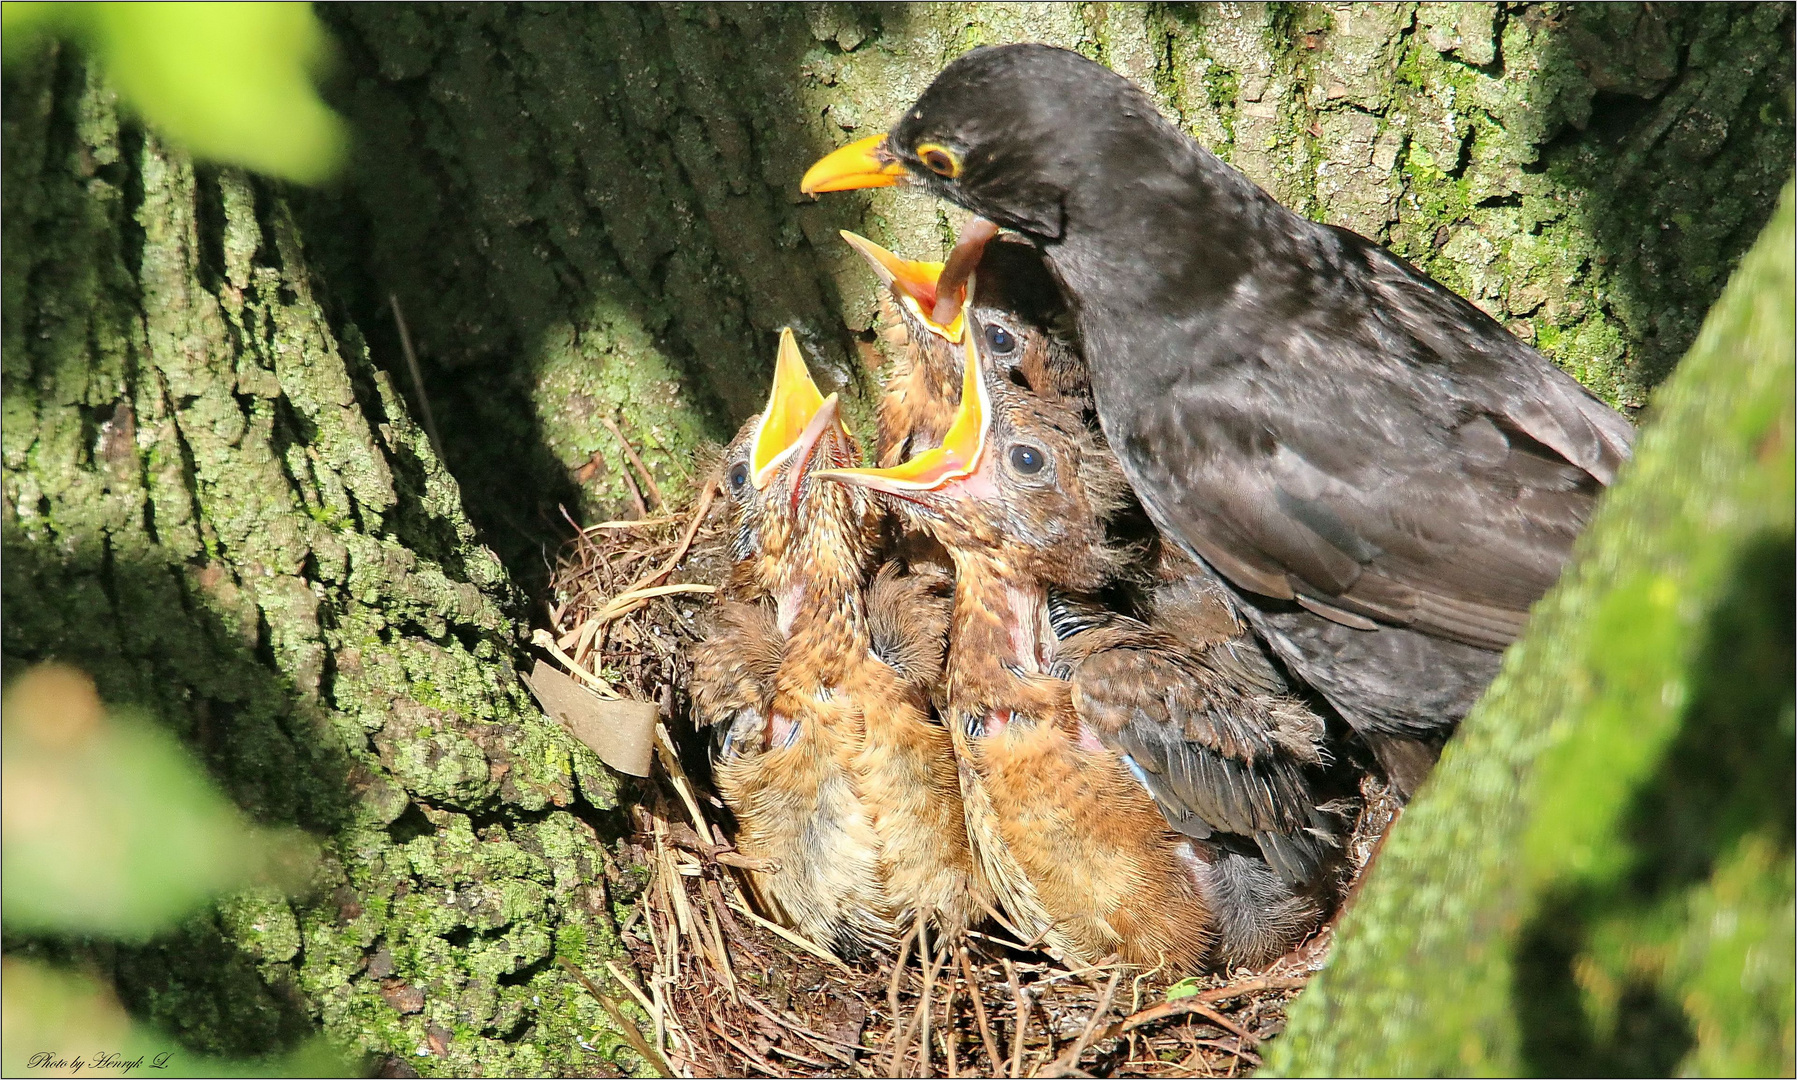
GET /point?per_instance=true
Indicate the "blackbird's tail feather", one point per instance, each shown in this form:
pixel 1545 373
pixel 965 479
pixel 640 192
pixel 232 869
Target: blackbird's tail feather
pixel 1406 762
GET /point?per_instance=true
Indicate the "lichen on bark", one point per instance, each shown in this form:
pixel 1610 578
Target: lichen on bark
pixel 215 504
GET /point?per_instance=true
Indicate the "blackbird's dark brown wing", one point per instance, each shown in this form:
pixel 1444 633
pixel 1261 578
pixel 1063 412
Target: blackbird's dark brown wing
pixel 1439 488
pixel 1214 757
pixel 733 676
pixel 1511 380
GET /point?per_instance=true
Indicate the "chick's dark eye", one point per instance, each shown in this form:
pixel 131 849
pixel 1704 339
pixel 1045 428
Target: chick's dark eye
pixel 1027 460
pixel 1000 340
pixel 739 477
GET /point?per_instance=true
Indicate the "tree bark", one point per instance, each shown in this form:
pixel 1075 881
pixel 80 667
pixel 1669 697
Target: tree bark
pixel 216 498
pixel 220 508
pixel 1597 880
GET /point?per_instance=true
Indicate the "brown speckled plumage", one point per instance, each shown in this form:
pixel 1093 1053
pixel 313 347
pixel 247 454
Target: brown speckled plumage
pixel 819 674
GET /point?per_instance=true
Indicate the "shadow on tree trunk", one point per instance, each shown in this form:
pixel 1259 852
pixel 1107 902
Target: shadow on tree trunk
pixel 586 215
pixel 1727 775
pixel 1729 771
pixel 131 623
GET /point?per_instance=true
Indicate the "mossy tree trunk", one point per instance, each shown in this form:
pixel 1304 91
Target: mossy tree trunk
pixel 220 508
pixel 217 501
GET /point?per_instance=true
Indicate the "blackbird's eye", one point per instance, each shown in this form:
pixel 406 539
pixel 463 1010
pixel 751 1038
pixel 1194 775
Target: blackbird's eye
pixel 738 478
pixel 1027 460
pixel 1001 341
pixel 939 160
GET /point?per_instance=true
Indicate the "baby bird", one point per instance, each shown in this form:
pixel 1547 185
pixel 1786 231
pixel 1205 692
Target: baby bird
pixel 1126 796
pixel 817 678
pixel 1024 325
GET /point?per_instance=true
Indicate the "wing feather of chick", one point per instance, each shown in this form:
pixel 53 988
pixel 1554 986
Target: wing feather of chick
pixel 1215 757
pixel 733 676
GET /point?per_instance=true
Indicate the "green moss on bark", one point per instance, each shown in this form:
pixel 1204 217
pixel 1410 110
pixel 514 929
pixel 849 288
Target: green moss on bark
pixel 219 507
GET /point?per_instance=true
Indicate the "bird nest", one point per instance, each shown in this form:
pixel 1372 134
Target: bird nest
pixel 727 992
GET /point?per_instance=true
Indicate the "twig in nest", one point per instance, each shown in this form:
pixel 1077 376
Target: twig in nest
pixel 749 1055
pixel 580 534
pixel 947 1032
pixel 1068 1062
pixel 1021 1008
pixel 623 980
pixel 823 1045
pixel 791 936
pixel 979 1011
pixel 630 452
pixel 922 1015
pixel 625 1027
pixel 681 836
pixel 636 494
pixel 686 541
pixel 543 640
pixel 775 1048
pixel 636 523
pixel 670 760
pixel 1201 1003
pixel 719 945
pixel 931 961
pixel 1234 1049
pixel 631 599
pixel 899 1030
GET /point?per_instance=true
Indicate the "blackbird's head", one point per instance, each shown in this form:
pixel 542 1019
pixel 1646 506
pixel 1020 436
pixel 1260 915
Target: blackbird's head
pixel 786 525
pixel 1006 131
pixel 1019 480
pixel 1026 329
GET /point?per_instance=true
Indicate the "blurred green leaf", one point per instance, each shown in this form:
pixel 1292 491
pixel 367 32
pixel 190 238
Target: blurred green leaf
pixel 110 827
pixel 1184 988
pixel 231 82
pixel 59 1023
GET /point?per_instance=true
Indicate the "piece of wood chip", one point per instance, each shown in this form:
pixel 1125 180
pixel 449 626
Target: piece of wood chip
pixel 620 731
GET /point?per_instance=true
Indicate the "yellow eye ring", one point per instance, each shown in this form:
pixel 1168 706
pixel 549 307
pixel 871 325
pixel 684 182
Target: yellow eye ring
pixel 939 159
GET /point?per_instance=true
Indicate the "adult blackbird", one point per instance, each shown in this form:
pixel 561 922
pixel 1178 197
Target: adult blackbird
pixel 817 676
pixel 1124 795
pixel 1385 477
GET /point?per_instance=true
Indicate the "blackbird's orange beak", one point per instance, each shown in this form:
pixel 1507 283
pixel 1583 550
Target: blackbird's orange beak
pixel 861 164
pixel 959 453
pixel 793 405
pixel 914 283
